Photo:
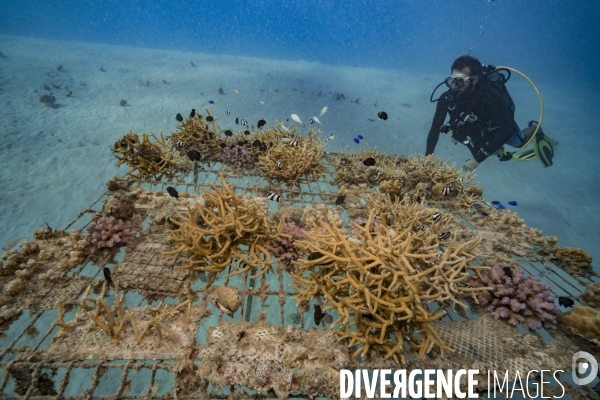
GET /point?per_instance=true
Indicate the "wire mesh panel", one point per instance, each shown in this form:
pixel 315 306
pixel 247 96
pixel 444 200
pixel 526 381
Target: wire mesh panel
pixel 166 331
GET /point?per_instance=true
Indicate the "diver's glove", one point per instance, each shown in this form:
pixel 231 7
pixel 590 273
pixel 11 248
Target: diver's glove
pixel 470 165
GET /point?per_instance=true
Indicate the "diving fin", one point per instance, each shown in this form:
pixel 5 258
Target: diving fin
pixel 544 148
pixel 526 155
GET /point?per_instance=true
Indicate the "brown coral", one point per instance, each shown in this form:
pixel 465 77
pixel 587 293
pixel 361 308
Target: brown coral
pixel 149 158
pixel 591 296
pixel 393 188
pixel 584 321
pixel 289 162
pixel 211 235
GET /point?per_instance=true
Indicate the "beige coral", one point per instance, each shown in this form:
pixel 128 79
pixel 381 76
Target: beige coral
pixel 584 321
pixel 393 188
pixel 578 256
pixel 591 296
pixel 229 298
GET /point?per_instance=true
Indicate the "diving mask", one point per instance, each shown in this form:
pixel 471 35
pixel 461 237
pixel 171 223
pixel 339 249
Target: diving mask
pixel 457 81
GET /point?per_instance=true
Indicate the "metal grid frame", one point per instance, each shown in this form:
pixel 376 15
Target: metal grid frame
pixel 560 282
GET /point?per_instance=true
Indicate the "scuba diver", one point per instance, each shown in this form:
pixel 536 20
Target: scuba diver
pixel 482 116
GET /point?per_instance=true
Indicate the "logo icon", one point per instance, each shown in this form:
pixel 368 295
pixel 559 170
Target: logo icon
pixel 588 367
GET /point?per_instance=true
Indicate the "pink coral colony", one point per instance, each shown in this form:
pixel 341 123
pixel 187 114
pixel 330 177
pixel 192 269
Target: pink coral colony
pixel 517 299
pixel 109 231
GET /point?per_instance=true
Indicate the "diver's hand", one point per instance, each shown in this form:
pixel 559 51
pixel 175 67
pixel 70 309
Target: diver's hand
pixel 470 165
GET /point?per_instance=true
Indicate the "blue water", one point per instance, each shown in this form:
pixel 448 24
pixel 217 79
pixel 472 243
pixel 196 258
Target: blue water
pixel 556 39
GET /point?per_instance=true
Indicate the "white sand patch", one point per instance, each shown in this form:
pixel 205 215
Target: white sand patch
pixel 55 161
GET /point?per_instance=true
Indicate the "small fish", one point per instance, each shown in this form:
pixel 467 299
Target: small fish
pixel 382 115
pixel 236 90
pixel 274 197
pixel 444 235
pixel 340 200
pixel 330 137
pixel 257 143
pixel 10 243
pixel 278 163
pixel 297 119
pixel 323 111
pixel 314 256
pixel 172 192
pixel 447 190
pixel 369 162
pixel 193 113
pixel 485 214
pixel 179 118
pixel 194 155
pixel 495 202
pixel 294 143
pixel 372 120
pixel 315 119
pixel 501 206
pixel 209 118
pixel 167 138
pixel 246 132
pixel 261 123
pixel 508 272
pixel 476 205
pixel 211 102
pixel 228 133
pixel 565 301
pixel 360 137
pixel 241 335
pixel 460 179
pixel 107 277
pixel 512 203
pixel 419 227
pixel 284 128
pixel 436 217
pixel 319 314
pixel 467 183
pixel 428 189
pixel 243 122
pixel 228 112
pixel 237 121
pixel 180 144
pixel 356 140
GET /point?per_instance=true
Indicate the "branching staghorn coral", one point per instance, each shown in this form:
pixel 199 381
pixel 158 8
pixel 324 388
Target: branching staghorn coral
pixel 350 168
pixel 381 280
pixel 147 158
pixel 210 235
pixel 196 133
pixel 104 317
pixel 291 162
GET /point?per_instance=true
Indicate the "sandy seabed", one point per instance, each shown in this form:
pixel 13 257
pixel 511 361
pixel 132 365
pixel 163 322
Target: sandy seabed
pixel 55 160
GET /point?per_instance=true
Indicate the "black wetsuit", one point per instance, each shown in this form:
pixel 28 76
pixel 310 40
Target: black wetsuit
pixel 493 125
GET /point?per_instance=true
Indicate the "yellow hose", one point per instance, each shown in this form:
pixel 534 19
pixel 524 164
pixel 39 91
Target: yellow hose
pixel 539 97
